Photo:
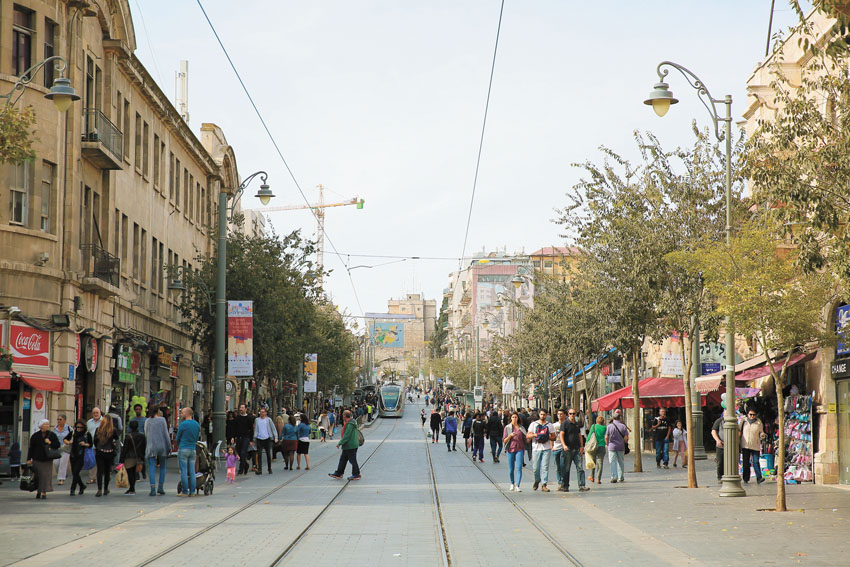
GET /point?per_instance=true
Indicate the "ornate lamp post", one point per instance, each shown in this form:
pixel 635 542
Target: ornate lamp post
pixel 264 194
pixel 61 93
pixel 660 99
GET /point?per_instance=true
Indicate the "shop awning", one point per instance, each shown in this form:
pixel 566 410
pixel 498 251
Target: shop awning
pixel 5 380
pixel 654 393
pixel 713 382
pixel 46 382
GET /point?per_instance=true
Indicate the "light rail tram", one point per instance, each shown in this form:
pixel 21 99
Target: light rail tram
pixel 391 400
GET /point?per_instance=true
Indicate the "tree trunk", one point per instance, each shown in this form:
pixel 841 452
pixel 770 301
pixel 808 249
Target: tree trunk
pixel 689 414
pixel 780 450
pixel 636 436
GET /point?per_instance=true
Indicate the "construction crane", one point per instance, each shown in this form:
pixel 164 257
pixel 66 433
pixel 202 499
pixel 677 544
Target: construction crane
pixel 319 210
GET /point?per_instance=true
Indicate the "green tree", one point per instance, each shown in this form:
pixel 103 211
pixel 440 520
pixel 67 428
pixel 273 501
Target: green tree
pixel 16 137
pixel 770 298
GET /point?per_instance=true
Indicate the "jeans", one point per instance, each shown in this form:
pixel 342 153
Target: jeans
pixel 348 456
pixel 560 465
pixel 242 449
pixel 104 462
pixel 540 462
pixel 573 457
pixel 76 468
pixel 617 466
pixel 186 462
pixel 451 439
pixel 264 445
pixel 515 466
pixel 751 456
pixel 496 446
pixel 152 462
pixel 435 434
pixel 662 451
pixel 598 460
pixel 478 448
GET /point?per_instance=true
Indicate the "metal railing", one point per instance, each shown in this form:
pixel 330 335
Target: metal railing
pixel 98 128
pixel 101 264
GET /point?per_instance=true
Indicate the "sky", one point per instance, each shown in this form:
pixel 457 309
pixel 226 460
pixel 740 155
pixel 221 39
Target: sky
pixel 385 100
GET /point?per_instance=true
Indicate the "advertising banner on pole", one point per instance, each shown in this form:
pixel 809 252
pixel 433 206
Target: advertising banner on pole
pixel 240 338
pixel 311 372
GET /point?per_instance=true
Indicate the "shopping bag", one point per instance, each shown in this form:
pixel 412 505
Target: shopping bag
pixel 590 444
pixel 589 460
pixel 121 478
pixel 89 461
pixel 29 481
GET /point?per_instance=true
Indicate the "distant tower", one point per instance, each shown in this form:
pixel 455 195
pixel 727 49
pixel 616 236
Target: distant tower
pixel 181 90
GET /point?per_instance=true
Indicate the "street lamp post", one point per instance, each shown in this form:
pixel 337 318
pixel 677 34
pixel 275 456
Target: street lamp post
pixel 264 194
pixel 660 99
pixel 61 93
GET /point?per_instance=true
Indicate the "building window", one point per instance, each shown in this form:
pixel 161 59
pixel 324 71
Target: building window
pixel 155 160
pixel 126 130
pixel 161 165
pixel 116 239
pixel 20 193
pixel 176 194
pixel 159 267
pixel 154 252
pixel 191 189
pixel 186 190
pixel 171 176
pixel 22 34
pixel 135 250
pixel 51 36
pixel 143 256
pixel 48 173
pixel 137 155
pixel 146 139
pixel 90 88
pixel 124 229
pixel 203 206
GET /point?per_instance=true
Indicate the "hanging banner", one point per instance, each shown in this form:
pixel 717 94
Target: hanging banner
pixel 671 364
pixel 508 386
pixel 842 329
pixel 29 346
pixel 240 338
pixel 311 372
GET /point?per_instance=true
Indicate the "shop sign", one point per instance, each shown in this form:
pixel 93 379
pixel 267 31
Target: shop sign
pixel 29 346
pixel 164 358
pixel 842 329
pixel 77 349
pixel 614 378
pixel 39 401
pixel 174 368
pixel 841 368
pixel 831 408
pixel 125 365
pixel 671 364
pixel 91 354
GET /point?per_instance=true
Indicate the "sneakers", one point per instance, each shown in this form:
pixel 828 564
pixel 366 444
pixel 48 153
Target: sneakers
pixel 517 489
pixel 153 490
pixel 99 493
pixel 658 465
pixel 613 481
pixel 352 477
pixel 544 488
pixel 512 488
pixel 675 465
pixel 130 492
pixel 760 480
pixel 334 475
pixel 584 489
pixel 482 460
pixel 563 488
pixel 666 466
pixel 535 485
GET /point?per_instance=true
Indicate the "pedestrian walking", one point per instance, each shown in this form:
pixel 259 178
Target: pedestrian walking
pixel 680 444
pixel 43 448
pixel 349 442
pixel 514 441
pixel 541 433
pixel 436 423
pixel 188 433
pixel 289 442
pixel 598 431
pixel 324 426
pixel 494 432
pixel 157 448
pixel 265 434
pixel 752 433
pixel 303 445
pixel 105 446
pixel 616 440
pixel 243 432
pixel 558 453
pixel 467 430
pixel 527 420
pixel 118 427
pixel 62 431
pixel 91 426
pixel 228 428
pixel 140 419
pixel 132 455
pixel 479 432
pixel 662 430
pixel 230 463
pixel 451 431
pixel 207 428
pixel 422 416
pixel 15 461
pixel 573 443
pixel 719 435
pixel 80 441
pixel 333 419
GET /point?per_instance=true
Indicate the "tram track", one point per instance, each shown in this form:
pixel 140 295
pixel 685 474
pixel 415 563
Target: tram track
pixel 207 529
pixel 445 552
pixel 528 516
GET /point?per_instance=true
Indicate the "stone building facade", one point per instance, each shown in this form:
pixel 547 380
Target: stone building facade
pixel 120 190
pixel 399 337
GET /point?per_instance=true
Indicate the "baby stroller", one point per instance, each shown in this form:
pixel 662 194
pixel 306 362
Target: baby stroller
pixel 204 471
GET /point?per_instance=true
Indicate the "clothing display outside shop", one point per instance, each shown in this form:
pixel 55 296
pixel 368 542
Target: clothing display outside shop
pixel 799 454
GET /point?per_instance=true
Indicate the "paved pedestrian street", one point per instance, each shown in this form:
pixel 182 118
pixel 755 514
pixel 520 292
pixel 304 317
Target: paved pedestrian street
pixel 393 517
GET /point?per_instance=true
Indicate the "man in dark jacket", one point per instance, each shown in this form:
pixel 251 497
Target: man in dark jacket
pixel 479 430
pixel 243 432
pixel 494 431
pixel 436 422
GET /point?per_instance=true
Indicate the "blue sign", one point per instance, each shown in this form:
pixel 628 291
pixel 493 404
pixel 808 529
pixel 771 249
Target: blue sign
pixel 842 329
pixel 711 367
pixel 71 372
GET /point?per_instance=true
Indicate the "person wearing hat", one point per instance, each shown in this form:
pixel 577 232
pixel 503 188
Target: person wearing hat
pixel 42 442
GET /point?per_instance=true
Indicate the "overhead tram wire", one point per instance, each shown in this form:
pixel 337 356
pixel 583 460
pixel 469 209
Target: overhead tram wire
pixel 481 141
pixel 277 149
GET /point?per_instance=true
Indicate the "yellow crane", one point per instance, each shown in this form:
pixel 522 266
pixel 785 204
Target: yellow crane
pixel 319 210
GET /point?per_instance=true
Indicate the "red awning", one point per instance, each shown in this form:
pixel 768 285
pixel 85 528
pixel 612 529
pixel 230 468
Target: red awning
pixel 46 382
pixel 654 393
pixel 713 382
pixel 5 380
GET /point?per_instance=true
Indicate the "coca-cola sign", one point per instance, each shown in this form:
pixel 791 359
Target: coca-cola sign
pixel 29 346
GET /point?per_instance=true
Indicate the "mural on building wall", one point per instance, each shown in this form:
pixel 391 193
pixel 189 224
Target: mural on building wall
pixel 388 335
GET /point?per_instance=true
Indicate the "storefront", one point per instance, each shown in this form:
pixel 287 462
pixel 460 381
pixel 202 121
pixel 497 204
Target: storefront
pixel 840 371
pixel 125 380
pixel 162 378
pixel 85 378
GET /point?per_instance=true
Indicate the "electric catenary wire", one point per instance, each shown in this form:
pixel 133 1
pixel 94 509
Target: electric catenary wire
pixel 277 149
pixel 483 128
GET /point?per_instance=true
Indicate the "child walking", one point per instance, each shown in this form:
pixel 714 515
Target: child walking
pixel 231 463
pixel 680 444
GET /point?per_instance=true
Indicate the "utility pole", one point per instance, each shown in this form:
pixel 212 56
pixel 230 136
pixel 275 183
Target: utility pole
pixel 299 399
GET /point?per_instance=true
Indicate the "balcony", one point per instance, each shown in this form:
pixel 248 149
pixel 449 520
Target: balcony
pixel 103 142
pixel 102 271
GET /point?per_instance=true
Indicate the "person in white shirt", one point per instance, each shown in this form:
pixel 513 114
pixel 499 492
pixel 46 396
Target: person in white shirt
pixel 265 434
pixel 91 426
pixel 541 433
pixel 63 432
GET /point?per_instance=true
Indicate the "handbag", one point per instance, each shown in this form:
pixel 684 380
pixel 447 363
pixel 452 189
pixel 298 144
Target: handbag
pixel 121 478
pixel 29 479
pixel 89 462
pixel 591 443
pixel 53 454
